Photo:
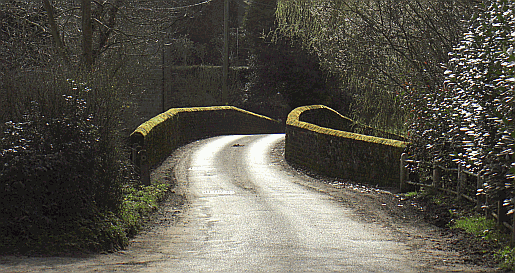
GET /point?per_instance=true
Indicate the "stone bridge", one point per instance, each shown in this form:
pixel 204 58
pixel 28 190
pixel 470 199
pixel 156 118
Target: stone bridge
pixel 317 138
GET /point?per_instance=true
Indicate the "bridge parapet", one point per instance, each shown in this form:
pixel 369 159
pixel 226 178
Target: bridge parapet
pixel 322 140
pixel 161 135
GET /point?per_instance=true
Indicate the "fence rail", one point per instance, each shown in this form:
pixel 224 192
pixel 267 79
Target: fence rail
pixel 482 203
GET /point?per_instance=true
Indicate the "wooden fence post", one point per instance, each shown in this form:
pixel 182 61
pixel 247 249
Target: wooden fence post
pixel 403 172
pixel 488 215
pixel 460 182
pixel 479 197
pixel 144 168
pixel 512 231
pixel 136 161
pixel 501 210
pixel 134 153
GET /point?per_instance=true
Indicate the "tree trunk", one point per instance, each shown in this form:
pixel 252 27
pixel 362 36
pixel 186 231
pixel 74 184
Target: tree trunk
pixel 54 30
pixel 107 30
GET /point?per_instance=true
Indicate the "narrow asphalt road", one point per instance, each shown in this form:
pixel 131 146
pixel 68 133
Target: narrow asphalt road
pixel 248 215
pixel 245 214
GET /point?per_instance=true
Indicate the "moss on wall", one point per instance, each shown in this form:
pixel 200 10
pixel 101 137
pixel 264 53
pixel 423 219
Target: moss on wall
pixel 337 151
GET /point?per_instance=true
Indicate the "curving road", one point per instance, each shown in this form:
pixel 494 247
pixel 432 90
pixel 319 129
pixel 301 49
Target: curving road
pixel 246 214
pixel 249 215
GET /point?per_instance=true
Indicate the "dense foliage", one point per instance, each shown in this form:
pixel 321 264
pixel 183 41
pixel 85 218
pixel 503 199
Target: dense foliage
pixel 68 73
pixel 61 163
pixel 469 121
pixel 394 60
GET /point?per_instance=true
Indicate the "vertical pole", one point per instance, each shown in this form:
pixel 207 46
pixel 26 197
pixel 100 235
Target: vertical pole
pixel 225 68
pixel 403 172
pixel 237 47
pixel 163 80
pixel 487 208
pixel 168 78
pixel 87 35
pixel 134 154
pixel 501 210
pixel 512 243
pixel 144 171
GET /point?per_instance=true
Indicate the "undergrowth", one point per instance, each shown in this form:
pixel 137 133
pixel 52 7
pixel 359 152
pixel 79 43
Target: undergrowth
pixel 411 194
pixel 138 203
pixel 66 183
pixel 101 232
pixel 506 258
pixel 489 230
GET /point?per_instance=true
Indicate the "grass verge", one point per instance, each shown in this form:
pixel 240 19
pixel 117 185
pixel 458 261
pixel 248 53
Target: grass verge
pixel 138 203
pixel 506 258
pixel 115 230
pixel 481 227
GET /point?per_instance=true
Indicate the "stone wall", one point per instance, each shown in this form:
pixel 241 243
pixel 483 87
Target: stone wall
pixel 339 152
pixel 167 131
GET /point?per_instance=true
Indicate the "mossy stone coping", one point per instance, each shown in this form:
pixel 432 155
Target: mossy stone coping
pixel 340 152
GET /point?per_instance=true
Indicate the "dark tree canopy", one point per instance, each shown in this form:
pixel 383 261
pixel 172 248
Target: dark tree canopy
pixel 282 70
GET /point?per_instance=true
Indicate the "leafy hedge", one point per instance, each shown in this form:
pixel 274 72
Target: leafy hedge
pixel 61 164
pixel 469 120
pixel 47 166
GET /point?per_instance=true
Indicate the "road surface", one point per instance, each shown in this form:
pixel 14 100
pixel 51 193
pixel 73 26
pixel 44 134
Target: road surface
pixel 245 213
pixel 248 215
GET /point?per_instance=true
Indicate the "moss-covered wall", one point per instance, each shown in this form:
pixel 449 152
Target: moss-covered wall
pixel 339 152
pixel 167 131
